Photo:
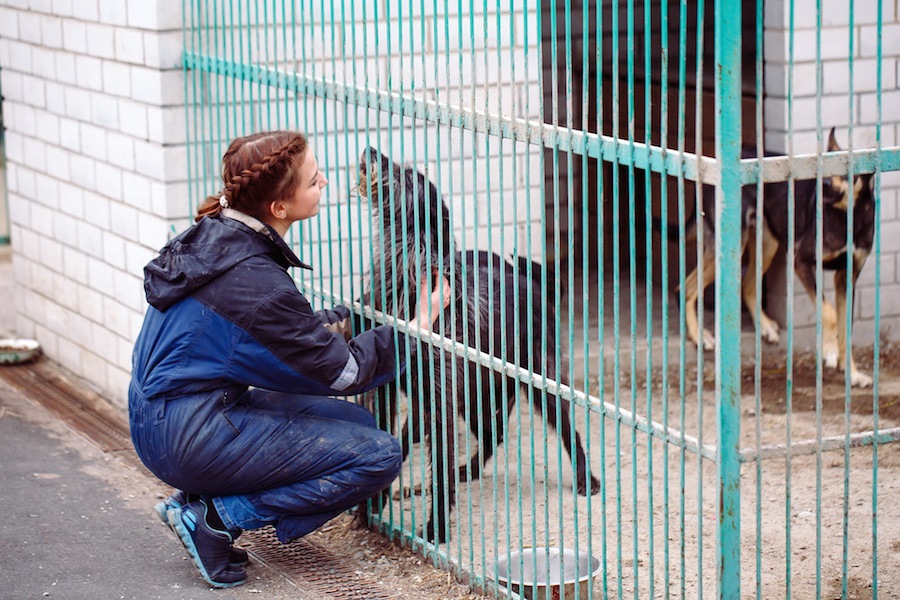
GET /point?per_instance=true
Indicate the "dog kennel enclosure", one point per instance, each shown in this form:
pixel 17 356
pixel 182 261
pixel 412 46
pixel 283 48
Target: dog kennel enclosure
pixel 579 135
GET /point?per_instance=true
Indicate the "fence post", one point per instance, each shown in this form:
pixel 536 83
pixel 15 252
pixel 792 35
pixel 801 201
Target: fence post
pixel 728 285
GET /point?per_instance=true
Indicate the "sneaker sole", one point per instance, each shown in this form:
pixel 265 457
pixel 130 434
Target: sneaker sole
pixel 174 519
pixel 162 511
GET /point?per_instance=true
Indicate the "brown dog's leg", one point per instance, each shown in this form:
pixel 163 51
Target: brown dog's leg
pixel 829 318
pixel 857 378
pixel 767 327
pixel 692 291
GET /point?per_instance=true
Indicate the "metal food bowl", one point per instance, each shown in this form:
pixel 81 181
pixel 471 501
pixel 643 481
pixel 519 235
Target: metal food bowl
pixel 18 350
pixel 546 573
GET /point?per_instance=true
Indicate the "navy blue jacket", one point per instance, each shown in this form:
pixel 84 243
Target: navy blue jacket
pixel 224 311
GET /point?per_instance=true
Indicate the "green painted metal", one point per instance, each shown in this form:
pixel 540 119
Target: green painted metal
pixel 357 74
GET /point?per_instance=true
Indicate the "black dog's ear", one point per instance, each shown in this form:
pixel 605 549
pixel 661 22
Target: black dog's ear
pixel 832 142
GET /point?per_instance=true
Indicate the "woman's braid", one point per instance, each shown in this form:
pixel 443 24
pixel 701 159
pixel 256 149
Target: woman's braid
pixel 276 162
pixel 256 169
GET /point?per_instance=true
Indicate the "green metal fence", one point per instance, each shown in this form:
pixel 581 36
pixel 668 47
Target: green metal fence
pixel 578 135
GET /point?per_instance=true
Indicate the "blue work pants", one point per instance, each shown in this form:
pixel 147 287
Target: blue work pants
pixel 264 457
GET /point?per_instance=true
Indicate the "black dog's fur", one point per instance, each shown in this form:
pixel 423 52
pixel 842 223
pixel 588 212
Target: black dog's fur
pixel 774 224
pixel 473 318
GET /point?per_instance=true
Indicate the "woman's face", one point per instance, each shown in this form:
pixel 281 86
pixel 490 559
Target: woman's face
pixel 305 201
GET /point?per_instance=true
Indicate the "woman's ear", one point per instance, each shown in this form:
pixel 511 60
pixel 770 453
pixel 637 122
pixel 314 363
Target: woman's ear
pixel 277 209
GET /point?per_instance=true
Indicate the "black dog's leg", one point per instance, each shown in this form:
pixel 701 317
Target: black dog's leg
pixel 565 429
pixel 493 429
pixel 443 462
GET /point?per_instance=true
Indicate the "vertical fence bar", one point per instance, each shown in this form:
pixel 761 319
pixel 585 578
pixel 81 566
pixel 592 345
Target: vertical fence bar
pixel 728 282
pixel 877 350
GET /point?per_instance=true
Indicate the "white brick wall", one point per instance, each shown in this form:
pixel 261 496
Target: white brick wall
pixel 92 93
pixel 836 111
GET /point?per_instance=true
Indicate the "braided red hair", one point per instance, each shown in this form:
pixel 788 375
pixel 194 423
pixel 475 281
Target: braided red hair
pixel 257 170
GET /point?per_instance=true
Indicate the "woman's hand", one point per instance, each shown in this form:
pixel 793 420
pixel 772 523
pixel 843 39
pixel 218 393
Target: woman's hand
pixel 432 303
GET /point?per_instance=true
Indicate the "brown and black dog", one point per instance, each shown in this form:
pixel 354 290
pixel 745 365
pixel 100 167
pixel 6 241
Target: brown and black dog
pixel 411 231
pixel 774 224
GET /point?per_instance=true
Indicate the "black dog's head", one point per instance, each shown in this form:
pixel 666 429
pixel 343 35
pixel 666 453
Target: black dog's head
pixel 411 225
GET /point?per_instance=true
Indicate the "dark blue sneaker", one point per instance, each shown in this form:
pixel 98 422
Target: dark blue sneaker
pixel 238 556
pixel 209 547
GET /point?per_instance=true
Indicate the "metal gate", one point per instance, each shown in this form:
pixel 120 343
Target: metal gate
pixel 578 141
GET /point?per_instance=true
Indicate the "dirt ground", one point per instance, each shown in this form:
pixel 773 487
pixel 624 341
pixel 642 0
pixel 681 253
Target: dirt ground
pixel 653 524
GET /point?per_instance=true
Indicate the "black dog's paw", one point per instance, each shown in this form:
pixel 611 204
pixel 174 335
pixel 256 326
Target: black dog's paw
pixel 582 486
pixel 436 534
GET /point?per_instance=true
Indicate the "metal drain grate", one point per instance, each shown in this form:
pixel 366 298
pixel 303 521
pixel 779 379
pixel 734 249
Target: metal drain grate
pixel 303 562
pixel 321 570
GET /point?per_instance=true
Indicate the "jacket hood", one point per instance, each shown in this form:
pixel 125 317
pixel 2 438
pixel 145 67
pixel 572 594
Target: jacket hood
pixel 207 249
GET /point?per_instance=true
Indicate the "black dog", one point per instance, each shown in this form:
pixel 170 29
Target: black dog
pixel 474 318
pixel 774 224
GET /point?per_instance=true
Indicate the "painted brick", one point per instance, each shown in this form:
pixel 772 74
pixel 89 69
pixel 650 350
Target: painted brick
pixel 69 354
pixel 83 170
pixel 90 304
pixel 96 208
pixel 93 367
pixel 9 23
pixel 90 241
pixel 163 50
pixel 113 12
pixel 109 181
pixel 65 229
pixel 136 190
pixel 51 254
pixel 63 8
pixel 149 160
pixel 143 15
pixel 116 316
pixel 176 163
pixel 89 72
pixel 21 119
pixel 113 250
pixel 121 150
pixel 890 41
pixel 100 275
pixel 69 136
pixel 75 265
pixel 154 231
pixel 34 90
pixel 146 85
pixel 58 161
pixel 43 63
pixel 30 27
pixel 48 127
pixel 105 111
pixel 74 36
pixel 11 82
pixel 65 67
pixel 93 141
pixel 51 32
pixel 133 119
pixel 35 154
pixel 125 219
pixel 47 191
pixel 129 289
pixel 172 87
pixel 136 257
pixel 172 200
pixel 78 104
pixel 71 200
pixel 20 55
pixel 890 106
pixel 40 6
pixel 116 78
pixel 101 40
pixel 129 46
pixel 166 125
